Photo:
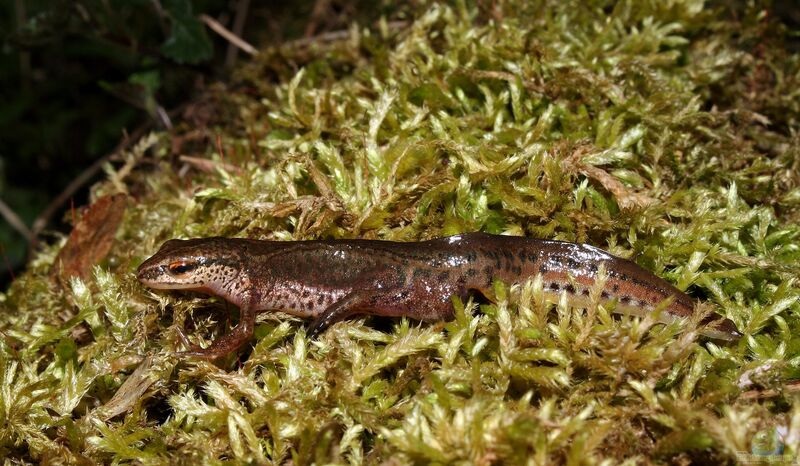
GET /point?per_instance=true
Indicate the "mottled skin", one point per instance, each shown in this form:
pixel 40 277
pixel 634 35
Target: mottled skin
pixel 330 280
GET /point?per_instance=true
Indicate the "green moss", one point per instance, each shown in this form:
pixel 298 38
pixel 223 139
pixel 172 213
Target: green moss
pixel 661 131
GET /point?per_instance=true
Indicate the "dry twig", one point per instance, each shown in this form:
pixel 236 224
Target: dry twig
pixel 15 221
pixel 228 35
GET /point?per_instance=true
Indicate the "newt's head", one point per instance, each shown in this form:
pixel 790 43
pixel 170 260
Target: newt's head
pixel 210 265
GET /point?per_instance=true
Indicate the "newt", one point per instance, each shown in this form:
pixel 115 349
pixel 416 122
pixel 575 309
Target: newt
pixel 331 280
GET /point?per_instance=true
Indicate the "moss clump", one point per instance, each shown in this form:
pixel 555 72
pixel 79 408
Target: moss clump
pixel 661 131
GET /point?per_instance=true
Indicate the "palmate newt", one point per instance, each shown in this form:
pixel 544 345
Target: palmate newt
pixel 330 280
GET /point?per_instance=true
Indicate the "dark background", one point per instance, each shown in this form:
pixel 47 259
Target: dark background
pixel 76 75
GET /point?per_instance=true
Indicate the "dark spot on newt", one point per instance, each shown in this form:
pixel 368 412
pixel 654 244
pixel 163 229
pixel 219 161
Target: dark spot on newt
pixel 573 263
pixel 488 272
pixel 570 289
pixel 554 286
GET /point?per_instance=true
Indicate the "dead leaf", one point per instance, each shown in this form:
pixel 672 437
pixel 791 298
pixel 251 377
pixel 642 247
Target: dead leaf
pixel 627 199
pixel 90 239
pixel 131 392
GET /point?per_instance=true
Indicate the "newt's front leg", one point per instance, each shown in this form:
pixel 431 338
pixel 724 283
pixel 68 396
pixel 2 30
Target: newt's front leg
pixel 229 342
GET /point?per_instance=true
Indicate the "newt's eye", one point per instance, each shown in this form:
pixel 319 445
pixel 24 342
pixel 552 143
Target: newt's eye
pixel 181 267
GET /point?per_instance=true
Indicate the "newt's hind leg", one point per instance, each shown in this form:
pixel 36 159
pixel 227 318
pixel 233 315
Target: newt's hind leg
pixel 339 310
pixel 226 343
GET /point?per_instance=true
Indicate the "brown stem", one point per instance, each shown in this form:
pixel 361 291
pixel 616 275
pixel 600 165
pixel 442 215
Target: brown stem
pixel 15 221
pixel 242 7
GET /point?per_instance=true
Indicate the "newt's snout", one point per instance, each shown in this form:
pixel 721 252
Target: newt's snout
pixel 152 273
pixel 147 273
